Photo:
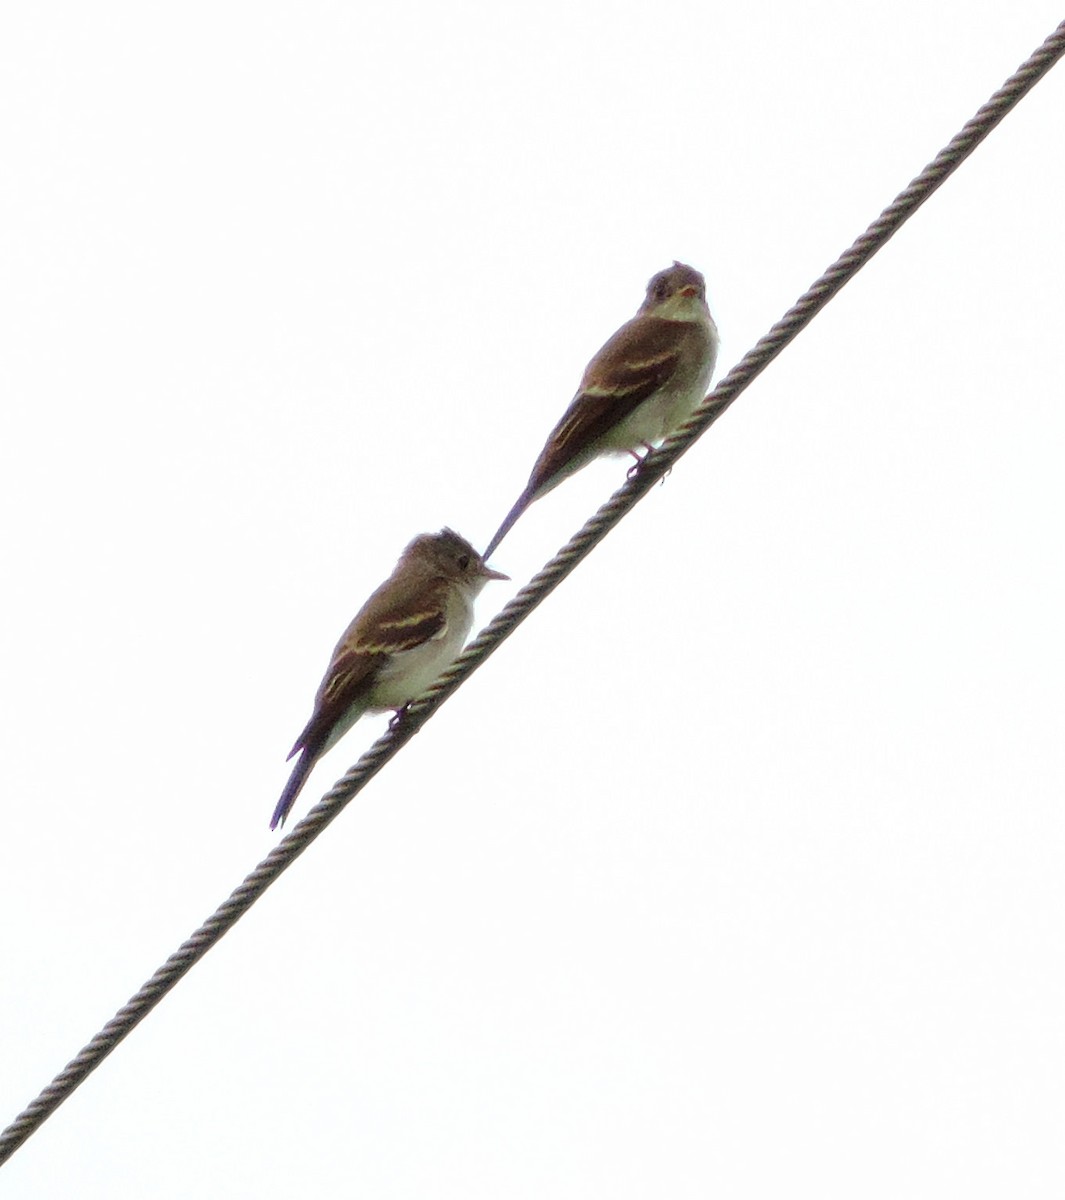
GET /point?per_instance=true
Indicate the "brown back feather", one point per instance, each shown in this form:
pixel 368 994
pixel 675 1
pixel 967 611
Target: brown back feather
pixel 630 368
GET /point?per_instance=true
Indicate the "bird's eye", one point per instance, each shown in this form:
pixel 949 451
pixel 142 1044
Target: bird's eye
pixel 464 561
pixel 661 289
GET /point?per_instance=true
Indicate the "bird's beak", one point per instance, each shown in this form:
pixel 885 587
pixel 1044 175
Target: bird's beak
pixel 690 290
pixel 488 573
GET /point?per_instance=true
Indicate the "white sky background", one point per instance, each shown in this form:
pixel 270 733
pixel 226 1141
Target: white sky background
pixel 738 871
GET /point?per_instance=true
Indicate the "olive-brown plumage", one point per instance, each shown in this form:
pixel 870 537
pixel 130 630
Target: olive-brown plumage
pixel 642 385
pixel 409 631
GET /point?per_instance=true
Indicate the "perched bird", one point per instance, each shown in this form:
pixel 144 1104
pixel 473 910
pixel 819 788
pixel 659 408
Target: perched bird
pixel 408 632
pixel 644 383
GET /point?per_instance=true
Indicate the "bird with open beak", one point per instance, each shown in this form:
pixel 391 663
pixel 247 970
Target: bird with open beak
pixel 641 386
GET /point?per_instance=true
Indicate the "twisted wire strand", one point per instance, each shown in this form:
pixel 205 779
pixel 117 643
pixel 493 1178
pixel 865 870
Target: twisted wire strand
pixel 534 592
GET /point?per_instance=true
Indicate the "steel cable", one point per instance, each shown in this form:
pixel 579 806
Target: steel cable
pixel 535 591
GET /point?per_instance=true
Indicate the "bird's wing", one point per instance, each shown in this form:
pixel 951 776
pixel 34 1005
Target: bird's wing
pixel 381 630
pixel 393 627
pixel 384 627
pixel 630 368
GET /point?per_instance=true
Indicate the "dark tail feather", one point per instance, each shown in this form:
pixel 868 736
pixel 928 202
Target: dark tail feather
pixel 295 784
pixel 523 502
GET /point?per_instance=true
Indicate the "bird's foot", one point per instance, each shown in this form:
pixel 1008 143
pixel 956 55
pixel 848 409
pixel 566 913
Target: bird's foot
pixel 634 470
pixel 397 717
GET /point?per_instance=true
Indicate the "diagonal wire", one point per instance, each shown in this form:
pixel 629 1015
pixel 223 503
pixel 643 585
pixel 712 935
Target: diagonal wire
pixel 535 591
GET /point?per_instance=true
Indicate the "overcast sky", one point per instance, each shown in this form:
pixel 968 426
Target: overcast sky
pixel 738 871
